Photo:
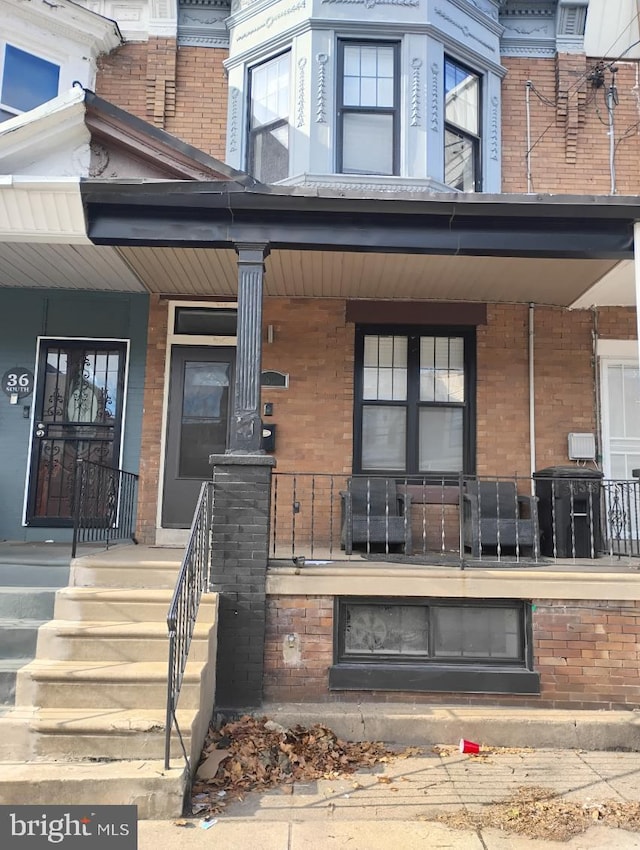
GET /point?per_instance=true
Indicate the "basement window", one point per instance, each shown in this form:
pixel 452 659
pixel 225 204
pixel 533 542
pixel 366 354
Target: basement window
pixel 438 645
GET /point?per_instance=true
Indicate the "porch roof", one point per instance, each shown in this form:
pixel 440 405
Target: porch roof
pixel 178 238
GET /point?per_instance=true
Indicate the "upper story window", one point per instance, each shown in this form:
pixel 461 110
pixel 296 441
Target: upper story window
pixel 268 156
pixel 462 127
pixel 368 97
pixel 26 81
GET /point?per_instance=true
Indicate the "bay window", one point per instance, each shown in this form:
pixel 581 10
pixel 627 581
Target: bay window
pixel 268 155
pixel 368 97
pixel 462 127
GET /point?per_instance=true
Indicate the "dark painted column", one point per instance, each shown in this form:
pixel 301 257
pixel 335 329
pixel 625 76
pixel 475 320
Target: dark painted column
pixel 239 553
pixel 246 423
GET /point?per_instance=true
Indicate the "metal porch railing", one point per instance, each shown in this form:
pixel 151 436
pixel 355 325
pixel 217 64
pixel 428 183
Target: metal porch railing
pixel 192 581
pixel 457 520
pixel 104 504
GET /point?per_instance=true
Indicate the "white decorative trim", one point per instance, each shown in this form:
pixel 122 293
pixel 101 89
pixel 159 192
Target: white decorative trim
pixel 273 19
pixel 495 142
pixel 368 183
pixel 416 64
pixel 464 29
pixel 321 117
pixel 301 86
pixel 70 21
pixel 234 98
pixel 435 96
pixel 370 4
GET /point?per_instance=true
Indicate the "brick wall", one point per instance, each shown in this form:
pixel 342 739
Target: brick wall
pixel 314 345
pixel 152 420
pixel 569 139
pixel 181 89
pixel 587 653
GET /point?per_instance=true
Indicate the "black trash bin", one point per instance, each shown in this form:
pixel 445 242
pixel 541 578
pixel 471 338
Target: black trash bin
pixel 569 511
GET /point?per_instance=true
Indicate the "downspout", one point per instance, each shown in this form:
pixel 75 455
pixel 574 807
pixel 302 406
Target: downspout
pixel 532 392
pixel 527 101
pixel 595 334
pixel 636 269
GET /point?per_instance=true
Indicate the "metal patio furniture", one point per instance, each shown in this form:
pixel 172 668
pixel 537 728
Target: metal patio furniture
pixel 376 515
pixel 496 517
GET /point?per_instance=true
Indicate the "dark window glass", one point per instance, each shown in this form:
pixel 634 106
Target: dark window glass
pixel 434 631
pixel 27 81
pixel 368 108
pixel 268 158
pixel 198 321
pixel 413 402
pixel 462 127
pixel 203 427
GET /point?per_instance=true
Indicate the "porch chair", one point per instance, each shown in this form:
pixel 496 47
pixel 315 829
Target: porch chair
pixel 496 516
pixel 375 513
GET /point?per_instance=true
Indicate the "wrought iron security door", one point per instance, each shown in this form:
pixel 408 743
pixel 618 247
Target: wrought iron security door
pixel 79 400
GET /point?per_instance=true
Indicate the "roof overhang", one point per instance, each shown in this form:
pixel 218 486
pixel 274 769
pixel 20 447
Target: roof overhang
pixel 178 239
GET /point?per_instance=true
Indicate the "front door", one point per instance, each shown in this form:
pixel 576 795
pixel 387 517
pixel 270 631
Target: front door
pixel 78 416
pixel 200 383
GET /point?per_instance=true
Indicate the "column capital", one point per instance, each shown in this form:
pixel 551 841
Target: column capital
pixel 252 252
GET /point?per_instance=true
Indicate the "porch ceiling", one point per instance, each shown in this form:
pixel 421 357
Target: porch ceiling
pixel 333 274
pixel 211 272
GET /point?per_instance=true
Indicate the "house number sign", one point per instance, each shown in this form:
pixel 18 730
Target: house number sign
pixel 18 381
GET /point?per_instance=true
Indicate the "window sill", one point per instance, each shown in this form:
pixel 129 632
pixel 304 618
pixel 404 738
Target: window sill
pixel 436 678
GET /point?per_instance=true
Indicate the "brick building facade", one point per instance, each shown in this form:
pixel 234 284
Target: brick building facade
pixel 536 124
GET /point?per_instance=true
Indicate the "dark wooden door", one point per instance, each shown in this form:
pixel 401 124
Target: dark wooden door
pixel 200 384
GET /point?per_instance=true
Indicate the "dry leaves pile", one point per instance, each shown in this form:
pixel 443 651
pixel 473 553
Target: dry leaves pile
pixel 259 754
pixel 539 813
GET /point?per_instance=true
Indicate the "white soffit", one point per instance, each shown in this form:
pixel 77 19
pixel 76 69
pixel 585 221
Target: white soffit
pixel 55 266
pixel 614 289
pixel 611 29
pixel 334 274
pixel 41 209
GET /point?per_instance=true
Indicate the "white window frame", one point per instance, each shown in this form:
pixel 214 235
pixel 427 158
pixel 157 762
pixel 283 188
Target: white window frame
pixel 38 54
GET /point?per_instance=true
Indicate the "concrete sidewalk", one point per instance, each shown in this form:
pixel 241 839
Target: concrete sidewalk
pixel 391 807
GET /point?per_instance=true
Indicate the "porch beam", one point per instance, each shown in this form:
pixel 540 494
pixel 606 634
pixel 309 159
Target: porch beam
pixel 246 423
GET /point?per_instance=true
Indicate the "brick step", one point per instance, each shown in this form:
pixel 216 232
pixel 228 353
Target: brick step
pixel 88 684
pixel 67 640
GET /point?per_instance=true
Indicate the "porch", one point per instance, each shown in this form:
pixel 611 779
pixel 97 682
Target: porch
pixel 546 523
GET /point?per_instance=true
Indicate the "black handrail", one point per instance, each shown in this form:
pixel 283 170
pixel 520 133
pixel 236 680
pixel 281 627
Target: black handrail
pixel 183 611
pixel 104 504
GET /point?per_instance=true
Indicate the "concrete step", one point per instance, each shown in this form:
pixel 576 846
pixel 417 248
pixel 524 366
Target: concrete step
pixel 81 733
pixel 88 684
pixel 8 672
pixel 65 640
pixel 34 575
pixel 115 605
pixel 422 725
pixel 87 573
pixel 157 793
pixel 18 638
pixel 33 603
